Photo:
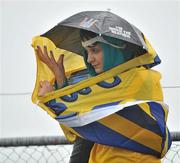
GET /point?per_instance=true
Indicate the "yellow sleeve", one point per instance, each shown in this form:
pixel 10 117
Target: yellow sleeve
pixel 68 134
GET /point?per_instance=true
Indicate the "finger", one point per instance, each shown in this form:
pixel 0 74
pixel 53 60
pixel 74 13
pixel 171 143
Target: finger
pixel 52 57
pixel 46 52
pixel 40 92
pixel 46 83
pixel 41 83
pixel 39 51
pixel 40 54
pixel 60 61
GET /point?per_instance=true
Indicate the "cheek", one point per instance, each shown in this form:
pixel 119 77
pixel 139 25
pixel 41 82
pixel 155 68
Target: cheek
pixel 100 58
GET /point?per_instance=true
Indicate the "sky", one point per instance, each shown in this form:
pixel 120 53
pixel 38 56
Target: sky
pixel 22 20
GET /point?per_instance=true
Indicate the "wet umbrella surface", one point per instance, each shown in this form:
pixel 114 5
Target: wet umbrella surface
pixel 65 34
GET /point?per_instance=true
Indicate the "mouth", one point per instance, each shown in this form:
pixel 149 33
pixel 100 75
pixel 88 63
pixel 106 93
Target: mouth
pixel 95 66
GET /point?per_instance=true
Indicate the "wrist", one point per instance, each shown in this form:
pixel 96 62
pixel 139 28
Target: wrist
pixel 61 84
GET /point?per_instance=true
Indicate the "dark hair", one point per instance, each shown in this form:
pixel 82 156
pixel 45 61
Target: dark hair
pixel 86 35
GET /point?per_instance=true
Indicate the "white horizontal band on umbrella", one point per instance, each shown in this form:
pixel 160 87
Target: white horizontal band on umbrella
pixel 99 39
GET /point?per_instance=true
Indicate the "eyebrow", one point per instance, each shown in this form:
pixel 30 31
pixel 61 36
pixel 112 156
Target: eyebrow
pixel 91 46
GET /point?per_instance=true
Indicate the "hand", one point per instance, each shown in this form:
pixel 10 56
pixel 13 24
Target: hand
pixel 45 87
pixel 56 67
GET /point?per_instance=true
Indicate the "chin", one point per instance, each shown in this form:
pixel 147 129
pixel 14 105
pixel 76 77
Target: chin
pixel 98 71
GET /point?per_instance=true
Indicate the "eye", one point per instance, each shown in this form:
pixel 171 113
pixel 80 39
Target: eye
pixel 95 50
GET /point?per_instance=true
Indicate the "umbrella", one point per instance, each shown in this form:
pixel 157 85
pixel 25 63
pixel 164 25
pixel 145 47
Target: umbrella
pixel 65 35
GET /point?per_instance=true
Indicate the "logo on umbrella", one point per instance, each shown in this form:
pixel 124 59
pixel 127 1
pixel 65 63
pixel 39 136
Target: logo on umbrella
pixel 87 23
pixel 119 31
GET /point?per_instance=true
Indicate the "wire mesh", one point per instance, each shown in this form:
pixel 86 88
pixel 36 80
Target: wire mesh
pixel 173 155
pixel 36 154
pixel 56 150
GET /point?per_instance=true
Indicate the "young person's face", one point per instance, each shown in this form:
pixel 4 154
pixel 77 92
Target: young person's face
pixel 95 57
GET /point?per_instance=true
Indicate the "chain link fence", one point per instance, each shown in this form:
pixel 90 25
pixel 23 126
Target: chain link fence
pixel 36 154
pixel 56 149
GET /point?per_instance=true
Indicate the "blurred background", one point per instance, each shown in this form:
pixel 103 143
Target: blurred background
pixel 22 20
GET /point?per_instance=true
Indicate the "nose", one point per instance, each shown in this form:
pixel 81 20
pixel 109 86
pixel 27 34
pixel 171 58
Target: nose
pixel 90 58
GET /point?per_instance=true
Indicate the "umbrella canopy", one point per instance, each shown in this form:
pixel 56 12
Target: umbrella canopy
pixel 66 34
